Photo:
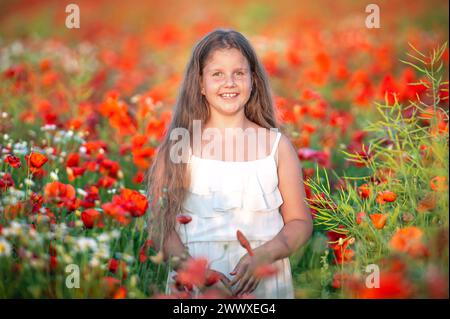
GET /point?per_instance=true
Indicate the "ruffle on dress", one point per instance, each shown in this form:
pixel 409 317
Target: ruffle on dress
pixel 225 186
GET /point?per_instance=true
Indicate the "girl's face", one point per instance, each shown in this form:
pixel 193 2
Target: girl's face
pixel 226 81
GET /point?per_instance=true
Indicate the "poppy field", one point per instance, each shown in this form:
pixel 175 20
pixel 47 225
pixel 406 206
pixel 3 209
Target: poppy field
pixel 82 111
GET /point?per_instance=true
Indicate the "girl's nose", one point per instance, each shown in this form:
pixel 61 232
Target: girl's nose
pixel 229 80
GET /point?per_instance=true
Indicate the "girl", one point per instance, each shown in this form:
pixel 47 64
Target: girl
pixel 225 87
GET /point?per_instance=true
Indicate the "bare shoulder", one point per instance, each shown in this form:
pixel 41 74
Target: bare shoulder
pixel 287 154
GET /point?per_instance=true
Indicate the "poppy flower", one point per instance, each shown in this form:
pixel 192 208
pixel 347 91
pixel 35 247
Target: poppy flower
pixel 344 280
pixel 426 204
pixel 194 273
pixel 143 252
pixel 120 293
pixel 139 178
pixel 393 285
pixel 53 263
pixel 35 161
pixel 244 242
pixel 439 183
pixel 364 191
pixel 106 182
pixel 386 196
pixel 212 278
pixel 114 264
pixel 359 217
pixel 379 220
pixel 409 240
pixel 91 218
pixel 6 181
pixel 112 288
pixel 13 161
pixel 59 193
pixel 321 157
pixel 184 219
pixel 134 202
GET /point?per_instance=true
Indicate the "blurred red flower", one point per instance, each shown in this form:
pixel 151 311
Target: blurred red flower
pixel 409 240
pixel 59 193
pixel 92 218
pixel 35 161
pixel 13 161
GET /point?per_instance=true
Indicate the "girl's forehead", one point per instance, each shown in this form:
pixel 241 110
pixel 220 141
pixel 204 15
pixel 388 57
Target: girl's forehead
pixel 225 58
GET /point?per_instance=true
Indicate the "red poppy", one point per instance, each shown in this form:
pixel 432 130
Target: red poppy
pixel 53 263
pixel 379 220
pixel 195 273
pixel 184 219
pixel 409 240
pixel 59 193
pixel 364 191
pixel 113 266
pixel 138 178
pixel 35 161
pixel 143 252
pixel 393 285
pixel 386 196
pixel 133 201
pixel 91 218
pixel 244 242
pixel 339 243
pixel 359 217
pixel 6 181
pixel 92 195
pixel 73 160
pixel 13 161
pixel 427 203
pixel 113 289
pixel 439 183
pixel 106 182
pixel 321 157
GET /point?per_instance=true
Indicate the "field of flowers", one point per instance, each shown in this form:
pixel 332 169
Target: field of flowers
pixel 83 110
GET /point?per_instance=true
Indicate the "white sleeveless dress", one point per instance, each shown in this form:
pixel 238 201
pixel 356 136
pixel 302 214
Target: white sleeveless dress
pixel 227 196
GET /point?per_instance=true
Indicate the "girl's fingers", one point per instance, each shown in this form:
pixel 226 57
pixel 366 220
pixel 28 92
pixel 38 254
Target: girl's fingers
pixel 249 284
pixel 236 268
pixel 225 279
pixel 255 285
pixel 242 283
pixel 236 279
pixel 238 276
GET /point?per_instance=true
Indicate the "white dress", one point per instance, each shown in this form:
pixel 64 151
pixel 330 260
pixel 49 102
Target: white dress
pixel 227 196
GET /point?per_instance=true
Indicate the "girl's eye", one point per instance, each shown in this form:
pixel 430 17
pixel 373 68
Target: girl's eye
pixel 217 73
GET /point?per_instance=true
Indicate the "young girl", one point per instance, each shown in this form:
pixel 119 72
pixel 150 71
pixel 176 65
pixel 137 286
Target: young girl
pixel 225 87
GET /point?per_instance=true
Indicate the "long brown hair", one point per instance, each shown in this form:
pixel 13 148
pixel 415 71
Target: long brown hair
pixel 169 181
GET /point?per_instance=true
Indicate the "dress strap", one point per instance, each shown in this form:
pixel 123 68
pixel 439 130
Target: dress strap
pixel 275 144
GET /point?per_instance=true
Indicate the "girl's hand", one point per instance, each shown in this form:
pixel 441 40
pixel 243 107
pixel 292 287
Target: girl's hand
pixel 244 272
pixel 217 279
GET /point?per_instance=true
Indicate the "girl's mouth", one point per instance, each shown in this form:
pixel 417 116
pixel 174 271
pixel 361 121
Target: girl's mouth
pixel 228 96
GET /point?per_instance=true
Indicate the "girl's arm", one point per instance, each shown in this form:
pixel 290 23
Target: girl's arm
pixel 297 219
pixel 174 247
